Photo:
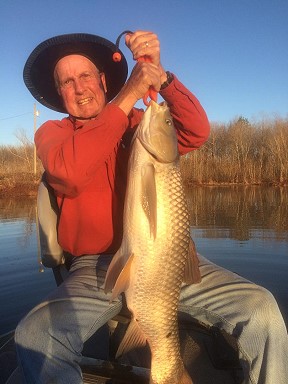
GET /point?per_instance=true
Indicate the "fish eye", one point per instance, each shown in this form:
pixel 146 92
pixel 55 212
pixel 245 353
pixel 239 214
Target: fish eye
pixel 168 121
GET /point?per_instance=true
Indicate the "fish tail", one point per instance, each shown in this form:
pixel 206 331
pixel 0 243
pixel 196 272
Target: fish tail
pixel 185 379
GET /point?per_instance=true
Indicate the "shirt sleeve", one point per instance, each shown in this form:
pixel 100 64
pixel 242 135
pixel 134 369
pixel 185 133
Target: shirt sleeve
pixel 72 156
pixel 189 117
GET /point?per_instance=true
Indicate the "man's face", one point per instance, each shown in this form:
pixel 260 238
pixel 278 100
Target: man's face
pixel 80 85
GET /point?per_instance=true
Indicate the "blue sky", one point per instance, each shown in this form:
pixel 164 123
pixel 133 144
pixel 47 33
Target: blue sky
pixel 231 54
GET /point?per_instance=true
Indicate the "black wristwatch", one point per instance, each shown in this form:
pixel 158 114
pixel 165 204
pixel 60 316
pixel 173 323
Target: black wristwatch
pixel 169 80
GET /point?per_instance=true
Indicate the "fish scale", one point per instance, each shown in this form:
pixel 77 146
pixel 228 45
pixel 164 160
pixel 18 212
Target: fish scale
pixel 161 319
pixel 149 266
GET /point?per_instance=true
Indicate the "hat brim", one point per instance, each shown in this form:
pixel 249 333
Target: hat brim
pixel 38 71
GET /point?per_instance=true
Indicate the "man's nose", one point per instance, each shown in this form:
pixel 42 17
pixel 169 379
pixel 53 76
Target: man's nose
pixel 78 86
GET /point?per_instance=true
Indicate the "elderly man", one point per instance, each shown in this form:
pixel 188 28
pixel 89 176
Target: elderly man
pixel 85 158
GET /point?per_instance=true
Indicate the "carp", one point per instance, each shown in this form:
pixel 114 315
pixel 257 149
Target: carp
pixel 157 253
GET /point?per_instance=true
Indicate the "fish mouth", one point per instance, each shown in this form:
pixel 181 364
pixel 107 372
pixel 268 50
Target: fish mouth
pixel 85 101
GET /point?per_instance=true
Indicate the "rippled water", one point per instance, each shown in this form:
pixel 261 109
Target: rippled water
pixel 242 229
pixel 21 283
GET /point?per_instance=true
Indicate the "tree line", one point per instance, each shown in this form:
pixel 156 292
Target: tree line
pixel 238 152
pixel 241 153
pixel 17 174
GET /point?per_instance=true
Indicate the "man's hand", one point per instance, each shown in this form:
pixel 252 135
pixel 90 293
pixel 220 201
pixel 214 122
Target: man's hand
pixel 145 74
pixel 144 43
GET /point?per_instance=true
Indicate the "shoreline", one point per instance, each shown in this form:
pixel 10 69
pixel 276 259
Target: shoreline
pixel 21 190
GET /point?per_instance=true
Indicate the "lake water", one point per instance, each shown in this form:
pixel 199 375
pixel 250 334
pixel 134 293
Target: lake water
pixel 244 229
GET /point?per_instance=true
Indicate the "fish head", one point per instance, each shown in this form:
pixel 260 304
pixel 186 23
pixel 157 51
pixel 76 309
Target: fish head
pixel 157 134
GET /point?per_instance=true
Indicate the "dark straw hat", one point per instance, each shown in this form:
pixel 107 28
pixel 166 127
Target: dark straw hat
pixel 39 68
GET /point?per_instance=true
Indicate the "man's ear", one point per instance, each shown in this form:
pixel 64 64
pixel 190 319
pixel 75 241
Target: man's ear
pixel 103 81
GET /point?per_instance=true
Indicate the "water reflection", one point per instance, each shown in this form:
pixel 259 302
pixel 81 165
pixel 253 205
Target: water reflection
pixel 236 212
pixel 21 284
pixel 21 211
pixel 17 208
pixel 242 228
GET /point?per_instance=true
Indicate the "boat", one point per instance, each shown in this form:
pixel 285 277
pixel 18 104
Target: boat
pixel 209 354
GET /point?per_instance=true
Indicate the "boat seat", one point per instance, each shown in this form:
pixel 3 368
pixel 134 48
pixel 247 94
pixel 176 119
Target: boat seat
pixel 52 255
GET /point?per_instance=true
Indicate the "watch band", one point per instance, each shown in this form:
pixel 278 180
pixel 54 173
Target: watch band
pixel 169 80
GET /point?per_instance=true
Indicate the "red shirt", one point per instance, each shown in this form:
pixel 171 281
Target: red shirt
pixel 86 165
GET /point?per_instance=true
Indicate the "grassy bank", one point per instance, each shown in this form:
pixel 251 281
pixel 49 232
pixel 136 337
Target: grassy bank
pixel 239 152
pixel 17 177
pixel 17 185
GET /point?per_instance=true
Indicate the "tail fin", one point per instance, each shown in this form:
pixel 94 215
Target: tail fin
pixel 185 379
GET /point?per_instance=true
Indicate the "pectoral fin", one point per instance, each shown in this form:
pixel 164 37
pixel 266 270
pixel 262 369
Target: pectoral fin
pixel 114 270
pixel 123 281
pixel 133 338
pixel 191 272
pixel 149 197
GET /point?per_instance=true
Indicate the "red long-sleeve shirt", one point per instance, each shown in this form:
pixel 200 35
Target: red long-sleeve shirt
pixel 86 165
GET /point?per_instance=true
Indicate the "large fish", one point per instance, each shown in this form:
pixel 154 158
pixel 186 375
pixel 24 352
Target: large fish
pixel 156 254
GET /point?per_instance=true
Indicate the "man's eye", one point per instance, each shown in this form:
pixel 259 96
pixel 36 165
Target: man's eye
pixel 67 82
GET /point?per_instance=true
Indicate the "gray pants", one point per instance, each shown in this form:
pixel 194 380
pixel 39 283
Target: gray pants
pixel 50 338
